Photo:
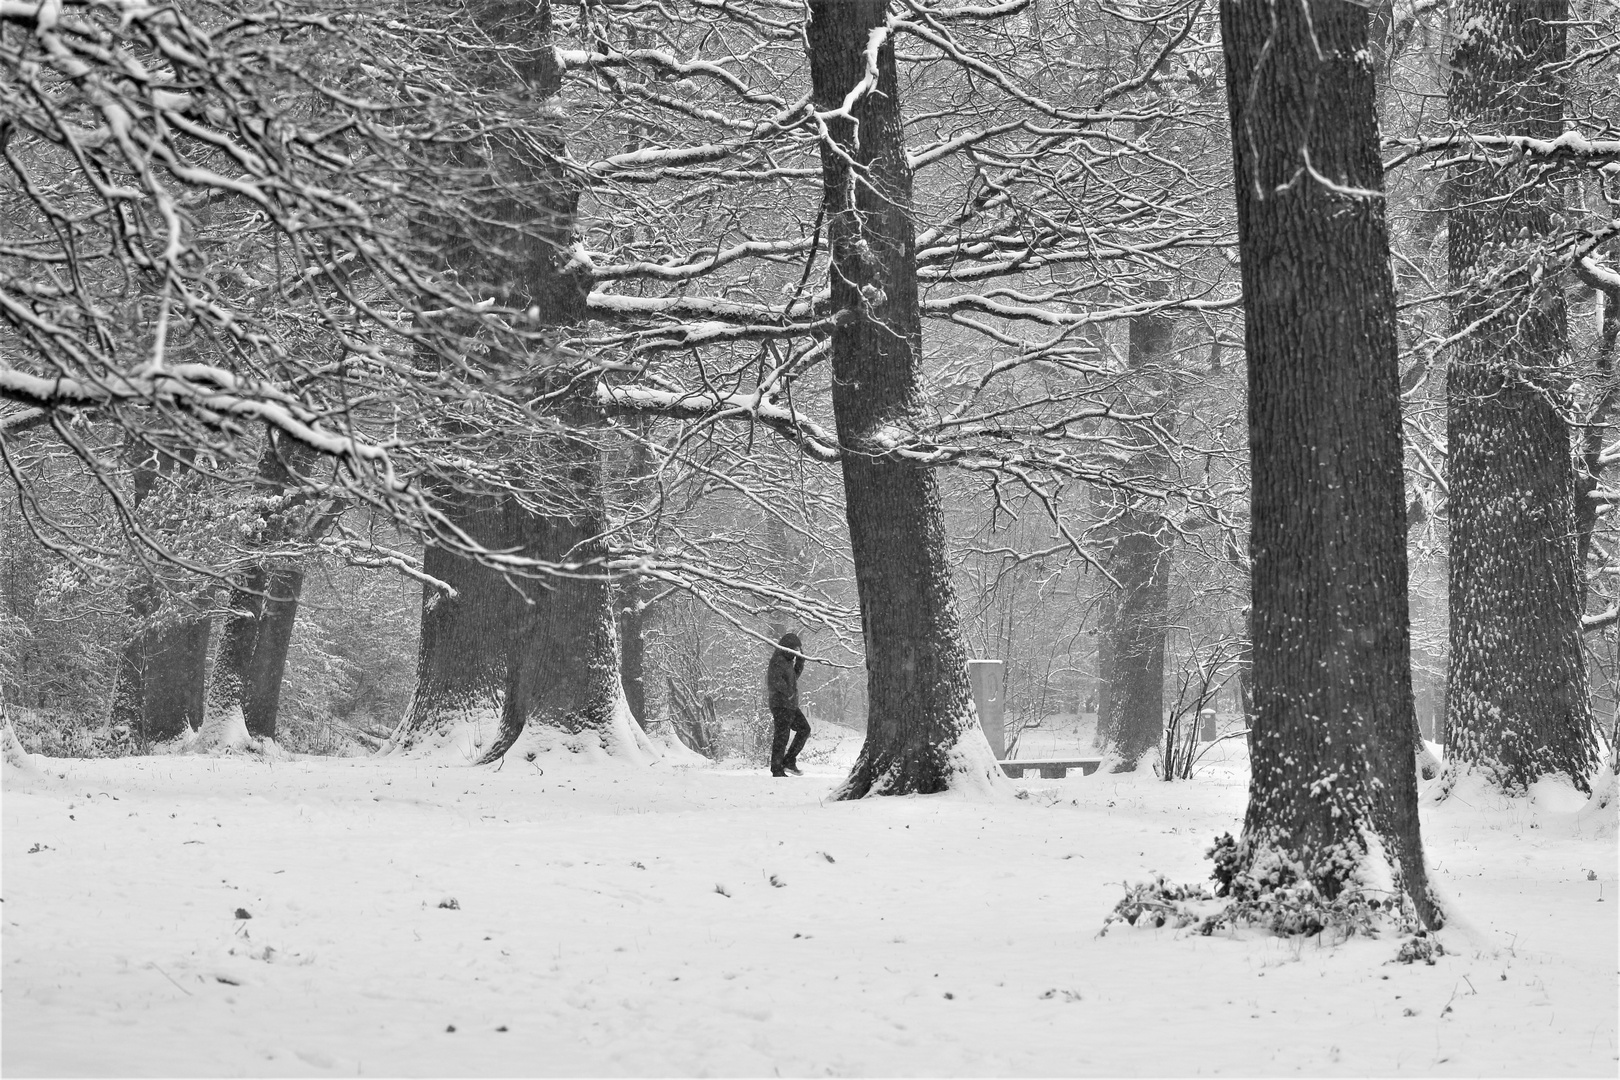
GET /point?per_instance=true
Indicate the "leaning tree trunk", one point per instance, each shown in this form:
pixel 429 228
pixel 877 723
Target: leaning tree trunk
pixel 921 732
pixel 1332 782
pixel 1517 701
pixel 1141 564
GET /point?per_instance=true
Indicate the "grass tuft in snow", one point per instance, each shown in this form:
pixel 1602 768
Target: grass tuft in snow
pixel 1420 946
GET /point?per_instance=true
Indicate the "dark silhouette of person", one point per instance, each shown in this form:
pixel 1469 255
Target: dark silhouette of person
pixel 782 682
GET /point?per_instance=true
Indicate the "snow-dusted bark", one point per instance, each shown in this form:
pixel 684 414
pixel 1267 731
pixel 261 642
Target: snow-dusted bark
pixel 1140 562
pixel 1333 793
pixel 564 683
pixel 510 658
pixel 253 644
pixel 255 636
pixel 159 682
pixel 1517 704
pixel 922 735
pixel 158 690
pixel 458 708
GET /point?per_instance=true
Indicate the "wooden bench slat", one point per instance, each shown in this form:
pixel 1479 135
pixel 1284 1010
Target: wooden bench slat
pixel 1050 768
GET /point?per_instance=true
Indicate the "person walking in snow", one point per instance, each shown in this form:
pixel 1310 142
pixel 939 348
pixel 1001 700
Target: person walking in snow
pixel 782 682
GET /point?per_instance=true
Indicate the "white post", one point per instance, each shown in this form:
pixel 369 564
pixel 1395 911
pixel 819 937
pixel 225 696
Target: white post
pixel 986 677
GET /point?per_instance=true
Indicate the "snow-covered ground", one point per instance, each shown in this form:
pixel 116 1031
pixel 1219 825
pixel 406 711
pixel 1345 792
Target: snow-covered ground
pixel 574 918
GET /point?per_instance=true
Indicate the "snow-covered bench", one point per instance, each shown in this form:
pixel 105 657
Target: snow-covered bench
pixel 1051 768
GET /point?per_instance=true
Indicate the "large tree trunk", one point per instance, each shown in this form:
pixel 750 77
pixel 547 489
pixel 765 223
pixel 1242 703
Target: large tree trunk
pixel 1141 564
pixel 1332 783
pixel 921 733
pixel 158 687
pixel 525 658
pixel 257 634
pixel 459 703
pixel 1517 701
pixel 563 678
pixel 633 596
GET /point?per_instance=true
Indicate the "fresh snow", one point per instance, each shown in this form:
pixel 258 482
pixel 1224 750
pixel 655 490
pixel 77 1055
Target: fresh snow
pixel 580 915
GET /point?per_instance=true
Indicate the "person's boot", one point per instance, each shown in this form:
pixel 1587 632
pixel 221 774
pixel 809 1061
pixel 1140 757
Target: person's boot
pixel 792 768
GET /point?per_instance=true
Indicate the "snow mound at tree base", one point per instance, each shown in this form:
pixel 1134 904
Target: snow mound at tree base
pixel 619 740
pixel 1553 804
pixel 457 737
pixel 671 750
pixel 226 733
pixel 21 769
pixel 1601 814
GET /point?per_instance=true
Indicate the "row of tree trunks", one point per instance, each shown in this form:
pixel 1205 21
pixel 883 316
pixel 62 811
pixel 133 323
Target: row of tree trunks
pixel 922 735
pixel 1517 704
pixel 257 633
pixel 1333 781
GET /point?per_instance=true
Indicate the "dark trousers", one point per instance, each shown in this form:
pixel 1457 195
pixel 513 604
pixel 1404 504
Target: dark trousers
pixel 787 721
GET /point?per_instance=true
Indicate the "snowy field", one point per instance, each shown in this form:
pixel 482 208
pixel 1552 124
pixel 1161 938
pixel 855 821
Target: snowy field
pixel 228 916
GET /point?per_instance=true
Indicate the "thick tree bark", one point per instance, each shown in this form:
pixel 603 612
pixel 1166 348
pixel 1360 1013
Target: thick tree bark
pixel 256 636
pixel 1141 564
pixel 921 731
pixel 158 687
pixel 510 659
pixel 563 677
pixel 1596 433
pixel 158 690
pixel 1332 783
pixel 1517 698
pixel 633 596
pixel 633 648
pixel 1107 723
pixel 460 692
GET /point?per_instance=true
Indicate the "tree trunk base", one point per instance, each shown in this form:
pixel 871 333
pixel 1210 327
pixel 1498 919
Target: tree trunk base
pixel 967 765
pixel 1355 887
pixel 459 736
pixel 225 732
pixel 615 736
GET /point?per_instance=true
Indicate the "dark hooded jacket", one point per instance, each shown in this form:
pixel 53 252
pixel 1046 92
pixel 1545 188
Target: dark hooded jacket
pixel 782 677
